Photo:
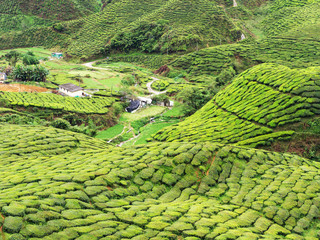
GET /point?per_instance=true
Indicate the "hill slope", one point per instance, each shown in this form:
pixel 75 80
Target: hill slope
pixel 248 110
pixel 57 10
pixel 183 25
pixel 156 191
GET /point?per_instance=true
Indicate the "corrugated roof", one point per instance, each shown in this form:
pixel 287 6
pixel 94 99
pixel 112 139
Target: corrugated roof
pixel 71 87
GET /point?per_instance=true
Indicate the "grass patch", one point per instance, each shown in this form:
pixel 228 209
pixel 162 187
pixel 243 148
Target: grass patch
pixel 147 112
pixel 110 132
pixel 151 129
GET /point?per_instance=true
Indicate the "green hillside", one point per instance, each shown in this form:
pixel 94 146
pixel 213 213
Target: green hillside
pixel 291 20
pixel 290 52
pixel 57 10
pixel 166 26
pixel 251 109
pixel 154 191
pixel 57 102
pixel 244 166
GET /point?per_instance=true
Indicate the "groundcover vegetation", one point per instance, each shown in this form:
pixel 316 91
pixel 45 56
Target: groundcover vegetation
pixel 57 102
pixel 251 109
pixel 88 190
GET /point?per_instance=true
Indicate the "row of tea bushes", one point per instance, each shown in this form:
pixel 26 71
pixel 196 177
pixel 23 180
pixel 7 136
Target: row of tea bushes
pixel 98 105
pixel 289 52
pixel 39 141
pixel 156 191
pixel 244 113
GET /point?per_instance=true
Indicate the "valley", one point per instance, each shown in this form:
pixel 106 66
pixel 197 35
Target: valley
pixel 160 119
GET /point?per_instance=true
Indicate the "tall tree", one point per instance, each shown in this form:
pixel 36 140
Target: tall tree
pixel 12 57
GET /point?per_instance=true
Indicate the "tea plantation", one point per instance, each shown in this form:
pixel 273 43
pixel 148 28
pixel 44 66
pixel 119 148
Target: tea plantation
pixel 153 191
pixel 251 109
pixel 57 102
pixel 248 71
pixel 184 25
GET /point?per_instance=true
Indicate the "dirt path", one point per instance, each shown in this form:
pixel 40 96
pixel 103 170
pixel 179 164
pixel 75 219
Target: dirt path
pixel 90 65
pixel 134 136
pixel 235 4
pixel 124 128
pixel 150 88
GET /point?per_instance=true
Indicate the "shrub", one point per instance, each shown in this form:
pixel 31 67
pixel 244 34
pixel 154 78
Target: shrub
pixel 61 123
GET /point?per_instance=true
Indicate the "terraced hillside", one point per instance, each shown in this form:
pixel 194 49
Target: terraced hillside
pixel 251 109
pixel 212 61
pixel 184 25
pixel 57 102
pixel 58 10
pixel 292 19
pixel 154 191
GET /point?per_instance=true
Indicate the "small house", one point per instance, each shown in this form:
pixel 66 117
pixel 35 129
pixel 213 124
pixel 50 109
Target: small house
pixel 71 90
pixel 134 105
pixel 57 55
pixel 145 101
pixel 3 77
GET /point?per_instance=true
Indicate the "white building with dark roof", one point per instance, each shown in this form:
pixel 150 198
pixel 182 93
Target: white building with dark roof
pixel 71 90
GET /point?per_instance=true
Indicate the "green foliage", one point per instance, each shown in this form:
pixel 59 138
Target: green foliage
pixel 193 99
pixel 74 186
pixel 12 57
pixel 29 59
pixel 61 123
pixel 142 37
pixel 110 132
pixel 164 26
pixel 58 102
pixel 30 73
pixel 244 112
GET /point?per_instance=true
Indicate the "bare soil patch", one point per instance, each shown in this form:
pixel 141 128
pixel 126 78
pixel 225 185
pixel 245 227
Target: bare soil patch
pixel 21 88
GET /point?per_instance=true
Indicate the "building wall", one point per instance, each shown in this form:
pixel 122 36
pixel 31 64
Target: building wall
pixel 71 94
pixel 3 77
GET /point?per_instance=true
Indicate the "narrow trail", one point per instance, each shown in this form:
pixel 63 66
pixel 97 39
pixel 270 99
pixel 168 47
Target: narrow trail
pixel 153 92
pixel 134 136
pixel 90 65
pixel 124 128
pixel 235 4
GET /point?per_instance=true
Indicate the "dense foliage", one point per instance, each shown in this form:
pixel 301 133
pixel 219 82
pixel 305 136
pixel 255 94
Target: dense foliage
pixel 57 102
pixel 30 73
pixel 246 111
pixel 58 185
pixel 164 26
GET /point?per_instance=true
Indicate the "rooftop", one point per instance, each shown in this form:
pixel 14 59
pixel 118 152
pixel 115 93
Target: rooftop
pixel 71 87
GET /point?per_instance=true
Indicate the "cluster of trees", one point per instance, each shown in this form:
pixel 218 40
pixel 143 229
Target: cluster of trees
pixel 143 36
pixel 28 59
pixel 30 71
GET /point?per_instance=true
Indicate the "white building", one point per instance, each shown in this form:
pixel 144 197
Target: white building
pixel 3 77
pixel 71 90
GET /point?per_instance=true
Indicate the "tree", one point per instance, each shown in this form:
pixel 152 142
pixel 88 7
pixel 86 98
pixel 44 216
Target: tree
pixel 29 60
pixel 193 99
pixel 12 57
pixel 28 73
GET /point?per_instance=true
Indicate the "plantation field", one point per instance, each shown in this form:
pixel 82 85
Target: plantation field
pixel 39 52
pixel 148 130
pixel 57 102
pixel 294 53
pixel 251 109
pixel 58 185
pixel 62 72
pixel 21 88
pixel 143 113
pixel 110 132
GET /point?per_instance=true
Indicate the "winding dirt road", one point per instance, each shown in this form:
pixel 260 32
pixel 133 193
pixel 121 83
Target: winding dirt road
pixel 153 92
pixel 90 65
